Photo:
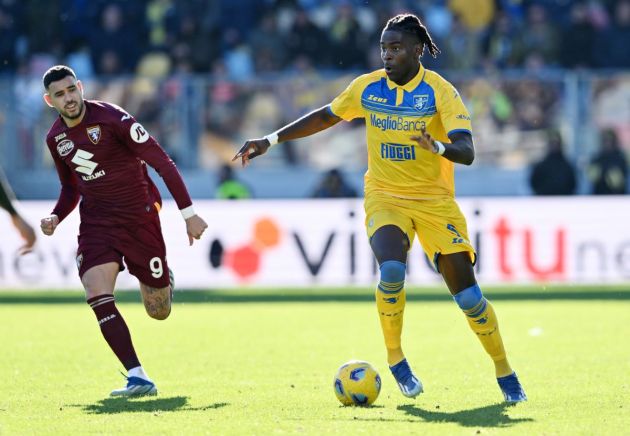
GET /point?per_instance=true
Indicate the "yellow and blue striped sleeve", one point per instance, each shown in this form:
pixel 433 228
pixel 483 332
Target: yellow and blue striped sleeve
pixel 453 112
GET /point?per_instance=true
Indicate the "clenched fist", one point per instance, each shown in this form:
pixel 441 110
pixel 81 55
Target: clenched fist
pixel 49 224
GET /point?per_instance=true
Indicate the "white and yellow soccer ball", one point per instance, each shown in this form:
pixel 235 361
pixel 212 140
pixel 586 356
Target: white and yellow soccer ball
pixel 357 383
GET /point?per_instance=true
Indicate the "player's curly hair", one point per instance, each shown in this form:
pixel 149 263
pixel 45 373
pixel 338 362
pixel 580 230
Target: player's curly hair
pixel 411 25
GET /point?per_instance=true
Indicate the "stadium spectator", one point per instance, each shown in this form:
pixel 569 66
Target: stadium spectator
pixel 475 14
pixel 333 185
pixel 112 42
pixel 409 187
pixel 80 61
pixel 608 170
pixel 42 38
pixel 525 35
pixel 461 46
pixel 101 153
pixel 7 200
pixel 242 14
pixel 578 39
pixel 535 103
pixel 501 46
pixel 161 20
pixel 121 31
pixel 229 187
pixel 11 27
pixel 347 40
pixel 554 174
pixel 191 51
pixel 438 17
pixel 613 41
pixel 540 37
pixel 306 39
pixel 268 45
pixel 237 55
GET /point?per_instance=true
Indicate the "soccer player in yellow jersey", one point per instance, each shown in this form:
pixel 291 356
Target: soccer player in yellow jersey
pixel 417 128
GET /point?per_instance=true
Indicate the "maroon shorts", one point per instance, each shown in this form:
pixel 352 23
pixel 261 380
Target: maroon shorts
pixel 141 246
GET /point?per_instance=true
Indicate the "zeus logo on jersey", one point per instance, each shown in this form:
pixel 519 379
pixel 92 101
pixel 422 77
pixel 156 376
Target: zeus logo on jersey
pixel 372 97
pixel 85 166
pixel 396 123
pixel 398 152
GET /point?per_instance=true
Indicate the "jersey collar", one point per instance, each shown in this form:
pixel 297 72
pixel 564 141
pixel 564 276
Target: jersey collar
pixel 411 85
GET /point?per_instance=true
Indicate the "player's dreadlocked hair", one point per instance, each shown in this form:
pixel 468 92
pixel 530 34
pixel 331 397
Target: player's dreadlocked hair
pixel 411 25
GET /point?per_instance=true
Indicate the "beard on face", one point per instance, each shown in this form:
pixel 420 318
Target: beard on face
pixel 65 114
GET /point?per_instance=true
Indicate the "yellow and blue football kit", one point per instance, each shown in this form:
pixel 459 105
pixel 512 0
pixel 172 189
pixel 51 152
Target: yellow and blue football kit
pixel 413 189
pixel 405 185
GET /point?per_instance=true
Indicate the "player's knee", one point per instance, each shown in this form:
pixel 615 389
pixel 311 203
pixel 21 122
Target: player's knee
pixel 469 297
pixel 91 293
pixel 392 276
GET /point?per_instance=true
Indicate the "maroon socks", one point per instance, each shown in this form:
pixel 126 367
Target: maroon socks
pixel 114 329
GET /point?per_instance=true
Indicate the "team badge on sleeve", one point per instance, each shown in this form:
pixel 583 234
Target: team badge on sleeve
pixel 94 133
pixel 138 134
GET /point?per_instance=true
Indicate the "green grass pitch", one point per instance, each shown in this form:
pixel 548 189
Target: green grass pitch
pixel 262 362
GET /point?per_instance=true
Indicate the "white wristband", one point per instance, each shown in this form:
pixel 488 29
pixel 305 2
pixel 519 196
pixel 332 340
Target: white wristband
pixel 272 138
pixel 438 148
pixel 187 212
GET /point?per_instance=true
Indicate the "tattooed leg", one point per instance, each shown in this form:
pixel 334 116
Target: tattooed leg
pixel 157 301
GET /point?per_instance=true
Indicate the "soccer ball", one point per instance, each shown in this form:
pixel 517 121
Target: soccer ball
pixel 357 383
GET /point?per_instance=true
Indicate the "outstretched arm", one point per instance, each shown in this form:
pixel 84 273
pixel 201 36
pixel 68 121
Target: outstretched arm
pixel 309 124
pixel 460 150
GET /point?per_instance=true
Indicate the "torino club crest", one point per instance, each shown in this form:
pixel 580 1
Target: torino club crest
pixel 94 133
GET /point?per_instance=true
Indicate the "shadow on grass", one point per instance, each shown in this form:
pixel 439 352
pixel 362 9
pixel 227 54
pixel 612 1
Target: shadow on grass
pixel 488 416
pixel 145 404
pixel 315 295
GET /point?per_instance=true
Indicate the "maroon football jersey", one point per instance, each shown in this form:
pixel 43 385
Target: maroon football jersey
pixel 102 160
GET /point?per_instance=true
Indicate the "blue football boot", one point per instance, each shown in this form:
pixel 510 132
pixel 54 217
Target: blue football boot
pixel 408 383
pixel 136 387
pixel 512 389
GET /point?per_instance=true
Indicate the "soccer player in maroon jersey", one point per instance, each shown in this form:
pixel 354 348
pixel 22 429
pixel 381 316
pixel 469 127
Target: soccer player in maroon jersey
pixel 101 153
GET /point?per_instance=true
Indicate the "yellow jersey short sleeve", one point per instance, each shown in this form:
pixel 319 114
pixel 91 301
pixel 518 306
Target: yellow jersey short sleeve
pixel 347 105
pixel 453 113
pixel 393 114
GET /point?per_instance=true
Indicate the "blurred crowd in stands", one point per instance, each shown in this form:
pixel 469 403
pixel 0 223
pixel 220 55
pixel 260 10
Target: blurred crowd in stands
pixel 203 75
pixel 247 37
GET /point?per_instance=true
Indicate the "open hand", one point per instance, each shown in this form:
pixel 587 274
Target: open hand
pixel 425 141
